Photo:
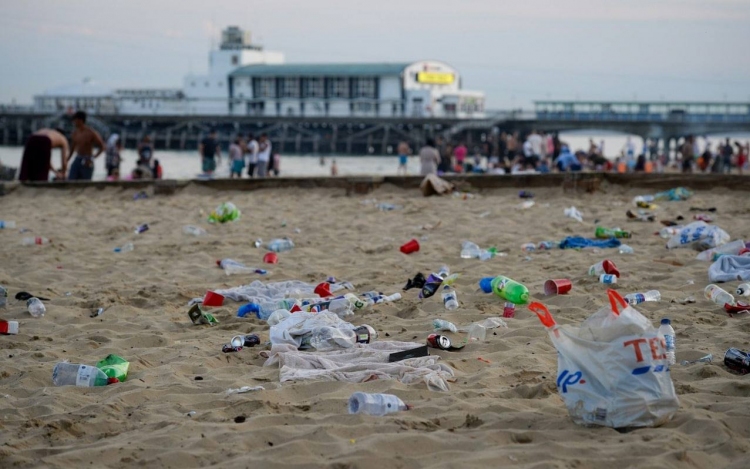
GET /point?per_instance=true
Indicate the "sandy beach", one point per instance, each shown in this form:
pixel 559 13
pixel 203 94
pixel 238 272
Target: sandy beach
pixel 501 411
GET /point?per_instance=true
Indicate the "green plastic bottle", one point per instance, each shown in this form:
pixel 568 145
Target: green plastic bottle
pixel 114 367
pixel 505 288
pixel 606 233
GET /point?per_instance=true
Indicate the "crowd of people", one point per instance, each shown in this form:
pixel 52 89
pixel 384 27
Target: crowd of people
pixel 255 155
pixel 508 153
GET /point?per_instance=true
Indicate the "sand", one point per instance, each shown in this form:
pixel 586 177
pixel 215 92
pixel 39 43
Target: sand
pixel 504 411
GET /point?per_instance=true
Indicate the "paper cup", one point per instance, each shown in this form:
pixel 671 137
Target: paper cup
pixel 559 286
pixel 410 247
pixel 213 299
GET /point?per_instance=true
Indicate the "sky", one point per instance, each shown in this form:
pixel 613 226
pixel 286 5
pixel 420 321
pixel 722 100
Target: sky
pixel 514 51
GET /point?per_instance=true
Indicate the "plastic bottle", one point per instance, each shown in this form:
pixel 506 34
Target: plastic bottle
pixel 743 289
pixel 443 325
pixel 141 228
pixel 36 307
pixel 280 245
pixel 637 298
pixel 625 249
pixel 669 231
pixel 666 330
pixel 233 267
pixel 470 250
pixel 718 295
pixel 547 245
pixel 126 248
pixel 8 327
pixel 528 247
pixel 573 213
pixel 606 233
pixel 607 278
pixel 444 272
pixel 375 404
pixel 70 374
pixel 328 338
pixel 193 230
pixel 383 299
pixel 604 267
pixel 505 288
pixel 732 248
pixel 32 241
pixel 264 309
pixel 7 224
pixel 3 296
pixel 449 298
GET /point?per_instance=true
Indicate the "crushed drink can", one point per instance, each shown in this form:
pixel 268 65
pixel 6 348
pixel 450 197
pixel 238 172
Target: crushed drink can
pixel 509 310
pixel 245 341
pixel 737 360
pixel 229 348
pixel 438 341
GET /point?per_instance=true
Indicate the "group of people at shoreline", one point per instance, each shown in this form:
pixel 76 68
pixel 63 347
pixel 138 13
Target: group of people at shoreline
pixel 508 153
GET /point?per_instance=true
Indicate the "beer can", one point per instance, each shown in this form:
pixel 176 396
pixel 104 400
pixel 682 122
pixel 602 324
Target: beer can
pixel 438 341
pixel 737 360
pixel 228 348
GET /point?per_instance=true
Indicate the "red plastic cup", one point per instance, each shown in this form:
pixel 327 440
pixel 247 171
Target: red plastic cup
pixel 610 268
pixel 271 258
pixel 410 247
pixel 323 290
pixel 213 299
pixel 558 286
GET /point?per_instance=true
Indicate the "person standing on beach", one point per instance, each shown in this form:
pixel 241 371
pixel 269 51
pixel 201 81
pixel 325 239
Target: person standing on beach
pixel 145 153
pixel 403 157
pixel 429 158
pixel 112 158
pixel 36 162
pixel 237 159
pixel 251 150
pixel 209 150
pixel 264 155
pixel 84 140
pixel 460 153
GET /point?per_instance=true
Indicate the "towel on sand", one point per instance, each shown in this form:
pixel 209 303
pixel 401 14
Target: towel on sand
pixel 729 268
pixel 364 362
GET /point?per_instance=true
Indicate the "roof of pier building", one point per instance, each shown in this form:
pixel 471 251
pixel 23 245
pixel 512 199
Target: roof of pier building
pixel 329 70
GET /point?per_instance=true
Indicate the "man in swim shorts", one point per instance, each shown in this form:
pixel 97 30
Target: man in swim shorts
pixel 83 141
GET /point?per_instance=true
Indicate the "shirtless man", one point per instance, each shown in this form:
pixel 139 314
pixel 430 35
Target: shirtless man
pixel 84 140
pixel 37 155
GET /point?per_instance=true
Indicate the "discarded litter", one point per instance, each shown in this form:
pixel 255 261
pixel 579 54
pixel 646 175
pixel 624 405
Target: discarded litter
pixel 193 230
pixel 666 330
pixel 509 310
pixel 232 267
pixel 526 205
pixel 737 360
pixel 604 267
pixel 141 228
pixel 443 325
pixel 245 389
pixel 596 372
pixel 525 195
pixel 417 282
pixel 7 225
pixel 280 245
pixel 734 248
pixel 606 233
pixel 198 316
pixel 647 217
pixel 225 212
pixel 443 343
pixel 35 307
pixel 577 242
pixel 573 213
pixel 125 248
pixel 607 279
pixel 385 207
pixel 470 250
pixel 8 327
pixel 25 296
pixel 29 241
pixel 505 288
pixel 700 235
pixel 321 331
pixel 410 247
pixel 449 298
pixel 375 404
pixel 705 359
pixel 625 249
pixel 115 367
pixel 97 313
pixel 743 289
pixel 558 286
pixel 638 298
pixel 140 195
pixel 718 295
pixel 70 374
pixel 3 296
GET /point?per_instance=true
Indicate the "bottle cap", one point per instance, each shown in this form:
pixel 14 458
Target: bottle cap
pixel 486 284
pixel 666 321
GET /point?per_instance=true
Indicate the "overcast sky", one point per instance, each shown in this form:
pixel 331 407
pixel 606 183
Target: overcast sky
pixel 514 50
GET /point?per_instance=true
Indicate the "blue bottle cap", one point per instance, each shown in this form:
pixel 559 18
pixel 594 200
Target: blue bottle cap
pixel 666 321
pixel 486 284
pixel 250 308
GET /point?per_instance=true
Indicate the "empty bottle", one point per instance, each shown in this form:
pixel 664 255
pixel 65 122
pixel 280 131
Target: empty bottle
pixel 264 309
pixel 625 249
pixel 449 298
pixel 7 224
pixel 742 290
pixel 233 267
pixel 3 296
pixel 607 278
pixel 126 248
pixel 637 298
pixel 573 213
pixel 71 374
pixel 666 330
pixel 732 248
pixel 505 288
pixel 375 404
pixel 606 233
pixel 718 295
pixel 443 325
pixel 29 241
pixel 328 338
pixel 470 250
pixel 36 307
pixel 193 230
pixel 444 272
pixel 280 245
pixel 383 299
pixel 670 231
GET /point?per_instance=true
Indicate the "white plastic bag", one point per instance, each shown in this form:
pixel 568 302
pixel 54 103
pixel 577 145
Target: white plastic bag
pixel 612 370
pixel 700 235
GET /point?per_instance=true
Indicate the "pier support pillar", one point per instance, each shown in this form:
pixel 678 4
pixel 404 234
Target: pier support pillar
pixel 167 140
pixel 334 137
pixel 183 137
pixel 19 132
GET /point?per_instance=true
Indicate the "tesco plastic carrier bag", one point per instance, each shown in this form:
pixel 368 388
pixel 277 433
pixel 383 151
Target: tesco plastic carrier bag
pixel 612 370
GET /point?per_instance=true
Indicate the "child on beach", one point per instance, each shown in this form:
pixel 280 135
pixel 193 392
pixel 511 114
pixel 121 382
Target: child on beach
pixel 237 158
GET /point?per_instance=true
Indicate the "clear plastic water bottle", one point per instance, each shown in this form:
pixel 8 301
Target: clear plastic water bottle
pixel 3 296
pixel 375 404
pixel 327 338
pixel 625 249
pixel 36 307
pixel 637 298
pixel 6 224
pixel 443 325
pixel 666 330
pixel 126 248
pixel 732 248
pixel 280 245
pixel 607 279
pixel 450 301
pixel 71 374
pixel 743 289
pixel 31 241
pixel 470 250
pixel 444 272
pixel 193 230
pixel 231 267
pixel 718 295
